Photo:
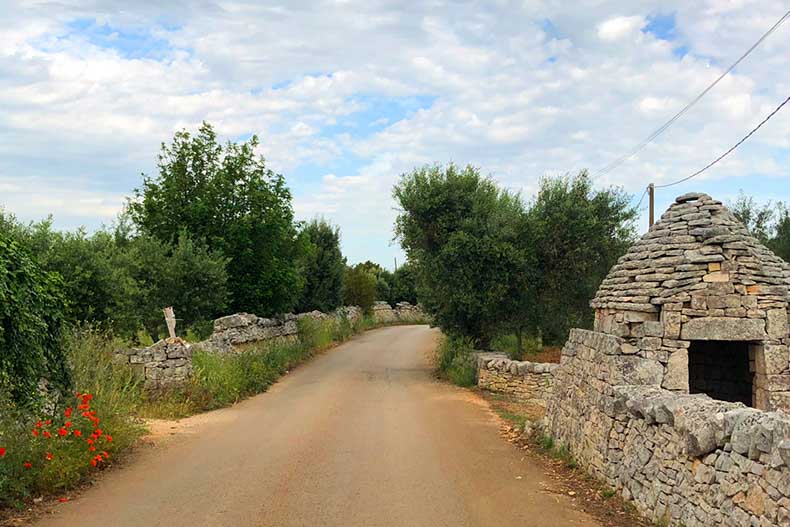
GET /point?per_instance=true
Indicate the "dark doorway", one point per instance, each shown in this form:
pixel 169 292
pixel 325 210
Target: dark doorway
pixel 720 369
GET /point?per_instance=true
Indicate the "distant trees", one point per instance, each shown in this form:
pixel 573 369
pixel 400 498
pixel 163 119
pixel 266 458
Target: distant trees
pixel 323 266
pixel 226 197
pixel 359 287
pixel 487 264
pixel 768 222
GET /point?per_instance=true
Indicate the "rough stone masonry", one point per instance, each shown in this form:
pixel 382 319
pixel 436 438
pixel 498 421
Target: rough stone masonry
pixel 680 396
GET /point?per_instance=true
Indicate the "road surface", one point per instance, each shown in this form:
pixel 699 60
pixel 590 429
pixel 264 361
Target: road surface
pixel 360 436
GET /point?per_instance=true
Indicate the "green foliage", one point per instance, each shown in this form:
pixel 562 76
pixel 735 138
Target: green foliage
pixel 465 237
pixel 576 235
pixel 359 287
pixel 769 223
pixel 225 196
pixel 323 266
pixel 115 394
pixel 403 287
pixel 31 319
pixel 455 362
pixel 508 343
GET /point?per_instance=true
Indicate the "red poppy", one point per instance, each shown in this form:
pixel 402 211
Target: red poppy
pixel 108 438
pixel 105 454
pixel 84 406
pixel 78 394
pixel 93 462
pixel 92 448
pixel 98 432
pixel 77 433
pixel 47 434
pixel 2 451
pixel 63 500
pixel 68 411
pixel 89 441
pixel 50 457
pixel 62 432
pixel 34 432
pixel 28 465
pixel 67 424
pixel 39 424
pixel 48 422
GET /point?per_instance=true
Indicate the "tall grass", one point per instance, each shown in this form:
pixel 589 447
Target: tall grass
pixel 455 361
pixel 55 459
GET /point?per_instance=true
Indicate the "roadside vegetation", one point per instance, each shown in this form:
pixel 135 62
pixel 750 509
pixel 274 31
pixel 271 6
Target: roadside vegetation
pixel 212 232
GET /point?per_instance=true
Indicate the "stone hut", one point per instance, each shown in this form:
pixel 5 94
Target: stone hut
pixel 680 397
pixel 707 301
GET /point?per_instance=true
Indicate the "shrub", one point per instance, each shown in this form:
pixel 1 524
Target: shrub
pixel 359 287
pixel 455 361
pixel 31 318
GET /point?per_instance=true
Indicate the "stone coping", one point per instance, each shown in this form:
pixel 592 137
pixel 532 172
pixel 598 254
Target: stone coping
pixel 708 424
pixel 500 362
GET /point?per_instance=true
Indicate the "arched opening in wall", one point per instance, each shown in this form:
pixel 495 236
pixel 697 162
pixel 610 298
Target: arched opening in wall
pixel 723 370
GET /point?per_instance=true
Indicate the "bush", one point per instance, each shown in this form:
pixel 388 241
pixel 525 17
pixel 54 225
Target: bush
pixel 359 287
pixel 455 361
pixel 31 318
pixel 508 344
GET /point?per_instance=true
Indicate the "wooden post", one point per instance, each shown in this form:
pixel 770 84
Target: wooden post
pixel 651 194
pixel 170 320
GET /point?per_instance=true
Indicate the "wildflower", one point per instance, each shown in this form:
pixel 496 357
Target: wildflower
pixel 67 424
pixel 78 395
pixel 68 411
pixel 108 438
pixel 28 465
pixel 2 451
pixel 90 441
pixel 47 434
pixel 105 454
pixel 84 406
pixel 39 424
pixel 50 457
pixel 34 432
pixel 62 432
pixel 48 422
pixel 63 499
pixel 98 432
pixel 77 433
pixel 93 462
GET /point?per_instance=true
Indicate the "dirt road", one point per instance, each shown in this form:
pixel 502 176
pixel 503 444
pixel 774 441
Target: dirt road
pixel 361 436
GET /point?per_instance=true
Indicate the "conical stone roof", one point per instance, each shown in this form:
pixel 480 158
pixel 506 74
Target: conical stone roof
pixel 698 245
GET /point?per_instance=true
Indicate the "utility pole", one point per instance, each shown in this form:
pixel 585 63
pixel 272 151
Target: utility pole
pixel 396 262
pixel 651 194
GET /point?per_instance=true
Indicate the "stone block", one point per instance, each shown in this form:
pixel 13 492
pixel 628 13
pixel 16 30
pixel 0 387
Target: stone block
pixel 672 322
pixel 723 328
pixel 772 359
pixel 677 373
pixel 653 329
pixel 717 276
pixel 776 323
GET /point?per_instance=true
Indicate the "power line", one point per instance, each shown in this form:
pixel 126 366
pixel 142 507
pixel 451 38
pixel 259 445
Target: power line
pixel 642 198
pixel 625 157
pixel 725 154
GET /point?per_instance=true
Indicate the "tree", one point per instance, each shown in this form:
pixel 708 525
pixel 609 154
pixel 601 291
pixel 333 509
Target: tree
pixel 576 235
pixel 323 267
pixel 404 285
pixel 463 235
pixel 780 243
pixel 226 197
pixel 759 219
pixel 31 319
pixel 359 287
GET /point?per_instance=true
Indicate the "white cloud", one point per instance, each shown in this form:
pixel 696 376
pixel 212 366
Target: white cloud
pixel 512 94
pixel 618 28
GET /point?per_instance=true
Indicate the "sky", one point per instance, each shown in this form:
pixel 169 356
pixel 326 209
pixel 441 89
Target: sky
pixel 346 96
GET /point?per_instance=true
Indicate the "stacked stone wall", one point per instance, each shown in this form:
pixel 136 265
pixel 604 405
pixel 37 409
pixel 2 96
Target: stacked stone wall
pixel 168 363
pixel 682 459
pixel 404 313
pixel 530 382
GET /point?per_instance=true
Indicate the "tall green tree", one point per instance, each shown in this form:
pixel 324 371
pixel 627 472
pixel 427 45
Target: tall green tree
pixel 404 285
pixel 323 267
pixel 576 234
pixel 463 234
pixel 226 197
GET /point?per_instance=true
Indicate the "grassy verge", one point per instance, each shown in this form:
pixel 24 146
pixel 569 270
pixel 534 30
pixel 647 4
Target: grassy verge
pixel 455 361
pixel 50 450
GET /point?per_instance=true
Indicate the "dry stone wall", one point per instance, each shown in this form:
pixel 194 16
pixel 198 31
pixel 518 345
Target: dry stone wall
pixel 689 459
pixel 530 382
pixel 404 312
pixel 168 363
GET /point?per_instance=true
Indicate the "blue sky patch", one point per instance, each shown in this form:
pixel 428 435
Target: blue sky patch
pixel 128 42
pixel 662 26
